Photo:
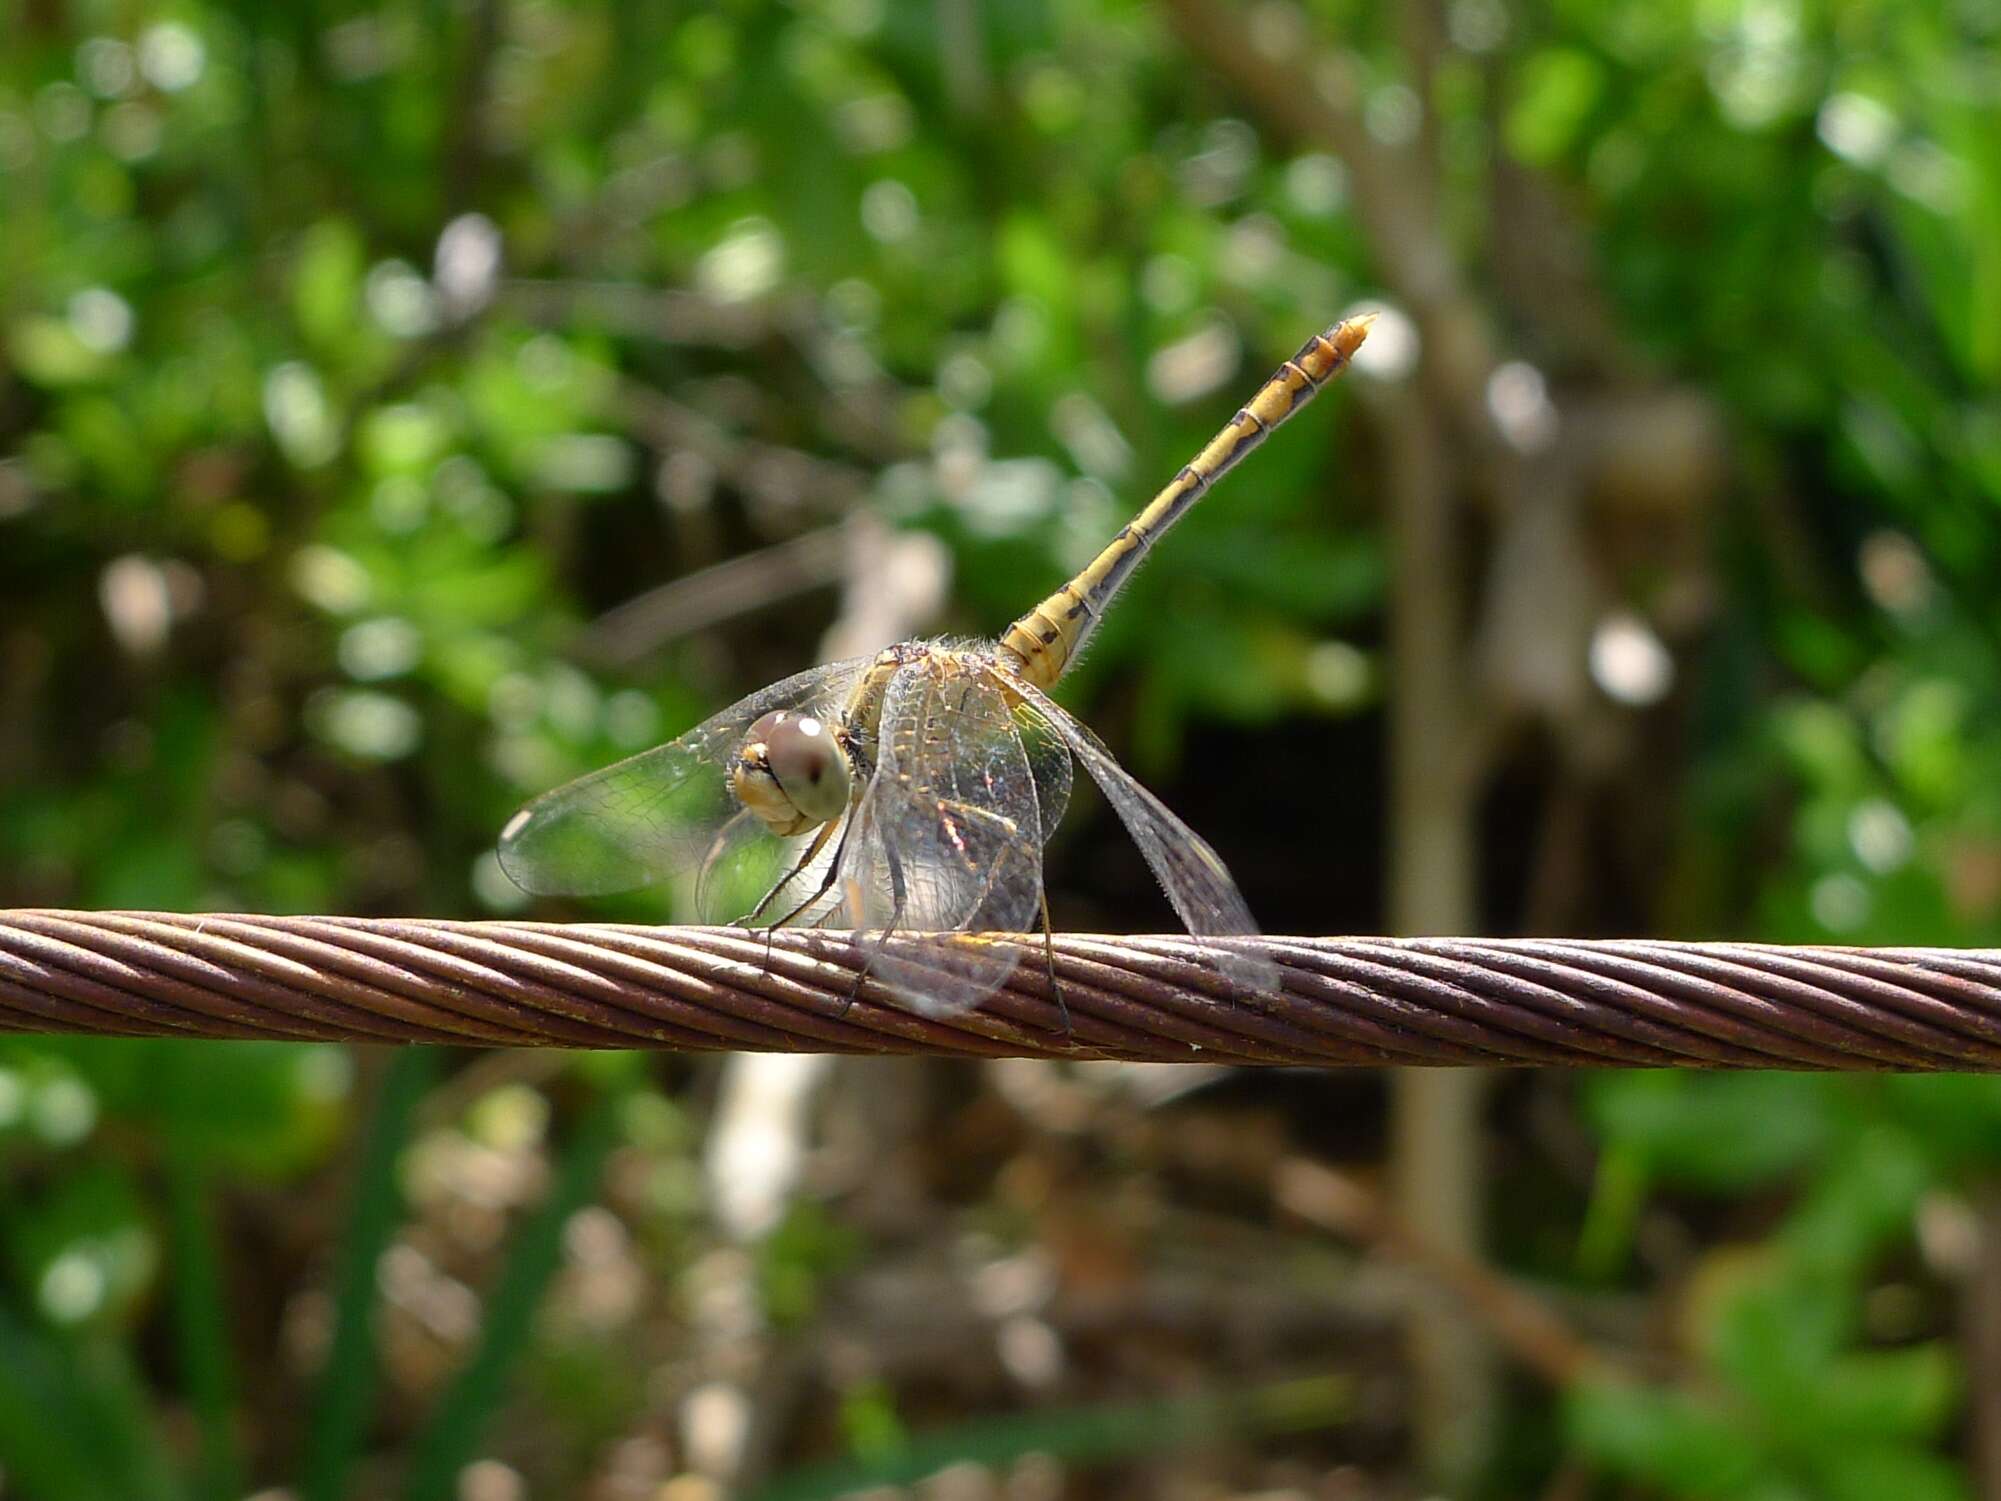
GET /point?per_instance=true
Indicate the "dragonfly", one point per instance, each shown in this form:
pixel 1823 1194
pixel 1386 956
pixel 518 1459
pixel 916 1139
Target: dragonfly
pixel 908 795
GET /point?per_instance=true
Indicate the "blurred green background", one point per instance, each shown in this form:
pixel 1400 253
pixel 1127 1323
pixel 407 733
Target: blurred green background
pixel 406 407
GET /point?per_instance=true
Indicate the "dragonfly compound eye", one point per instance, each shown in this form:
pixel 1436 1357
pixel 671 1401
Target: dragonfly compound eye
pixel 792 772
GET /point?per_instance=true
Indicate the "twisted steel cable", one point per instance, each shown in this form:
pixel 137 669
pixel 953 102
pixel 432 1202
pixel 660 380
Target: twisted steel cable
pixel 1345 1001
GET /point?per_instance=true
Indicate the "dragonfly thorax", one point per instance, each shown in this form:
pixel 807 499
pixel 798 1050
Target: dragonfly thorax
pixel 792 772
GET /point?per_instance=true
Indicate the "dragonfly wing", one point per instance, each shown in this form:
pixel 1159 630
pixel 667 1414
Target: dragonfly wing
pixel 658 813
pixel 947 840
pixel 1191 873
pixel 1048 752
pixel 751 873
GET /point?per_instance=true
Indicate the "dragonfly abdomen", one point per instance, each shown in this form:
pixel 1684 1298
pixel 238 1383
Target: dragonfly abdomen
pixel 1045 640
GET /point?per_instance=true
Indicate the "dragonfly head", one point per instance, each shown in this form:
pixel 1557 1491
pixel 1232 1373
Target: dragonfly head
pixel 792 772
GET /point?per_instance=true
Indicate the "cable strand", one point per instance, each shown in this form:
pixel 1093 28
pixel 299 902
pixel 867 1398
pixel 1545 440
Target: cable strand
pixel 1561 1003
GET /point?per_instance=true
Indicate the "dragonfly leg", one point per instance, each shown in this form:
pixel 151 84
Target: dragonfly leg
pixel 898 900
pixel 826 885
pixel 810 854
pixel 1049 960
pixel 826 882
pixel 805 859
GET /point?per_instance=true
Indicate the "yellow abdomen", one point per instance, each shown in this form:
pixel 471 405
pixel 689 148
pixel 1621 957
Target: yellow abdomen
pixel 1045 641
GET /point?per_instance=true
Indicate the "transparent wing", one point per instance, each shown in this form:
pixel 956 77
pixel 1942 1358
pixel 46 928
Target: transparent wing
pixel 658 813
pixel 1192 874
pixel 1048 753
pixel 750 874
pixel 947 840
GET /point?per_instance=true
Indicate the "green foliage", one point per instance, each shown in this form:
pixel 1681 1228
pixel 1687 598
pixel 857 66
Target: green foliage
pixel 74 1421
pixel 302 517
pixel 798 1259
pixel 1797 1398
pixel 1091 1435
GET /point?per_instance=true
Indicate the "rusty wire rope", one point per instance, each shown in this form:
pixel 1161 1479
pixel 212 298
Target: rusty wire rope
pixel 1345 1001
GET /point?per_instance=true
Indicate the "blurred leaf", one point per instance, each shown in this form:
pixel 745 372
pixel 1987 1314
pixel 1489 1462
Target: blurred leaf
pixel 1556 91
pixel 798 1258
pixel 1079 1435
pixel 870 1424
pixel 1304 577
pixel 262 1107
pixel 1773 1337
pixel 1618 1193
pixel 1861 1472
pixel 73 1421
pixel 46 351
pixel 1913 1393
pixel 1717 1131
pixel 1665 1438
pixel 84 1246
pixel 326 285
pixel 1780 1342
pixel 1957 1115
pixel 1863 1200
pixel 203 1321
pixel 405 438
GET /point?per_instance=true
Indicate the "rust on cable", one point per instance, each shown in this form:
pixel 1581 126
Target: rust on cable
pixel 1343 1001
